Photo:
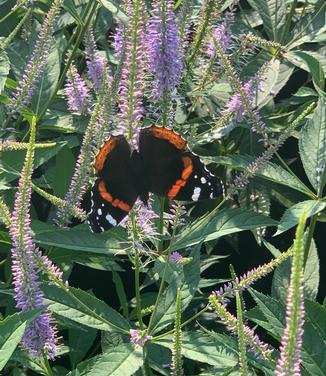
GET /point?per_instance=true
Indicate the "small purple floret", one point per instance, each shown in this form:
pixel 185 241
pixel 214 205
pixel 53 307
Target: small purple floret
pixel 139 337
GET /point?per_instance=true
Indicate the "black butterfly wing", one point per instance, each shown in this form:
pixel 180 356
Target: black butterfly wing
pixel 113 193
pixel 173 170
pixel 161 151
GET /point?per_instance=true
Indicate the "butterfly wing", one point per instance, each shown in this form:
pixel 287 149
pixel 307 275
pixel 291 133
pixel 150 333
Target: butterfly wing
pixel 113 193
pixel 173 170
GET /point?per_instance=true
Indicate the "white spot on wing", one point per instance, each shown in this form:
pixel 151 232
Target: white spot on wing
pixel 203 180
pixel 111 220
pixel 99 211
pixel 196 194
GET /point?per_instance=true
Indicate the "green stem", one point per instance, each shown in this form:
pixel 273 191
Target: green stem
pixel 241 337
pixel 288 21
pixel 137 289
pixel 161 225
pixel 205 309
pixel 80 32
pixel 47 365
pixel 160 291
pixel 12 35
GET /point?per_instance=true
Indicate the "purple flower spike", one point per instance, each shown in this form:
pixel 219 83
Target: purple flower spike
pixel 39 335
pixel 236 105
pixel 76 91
pixel 119 40
pixel 139 337
pixel 95 62
pixel 164 55
pixel 36 62
pixel 222 35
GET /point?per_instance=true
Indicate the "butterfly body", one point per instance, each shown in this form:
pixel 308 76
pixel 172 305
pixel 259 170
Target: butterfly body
pixel 162 165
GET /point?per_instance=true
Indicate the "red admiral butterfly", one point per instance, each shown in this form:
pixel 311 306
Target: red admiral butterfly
pixel 164 165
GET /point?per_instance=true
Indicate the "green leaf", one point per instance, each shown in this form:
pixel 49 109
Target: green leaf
pixel 158 357
pixel 227 221
pixel 281 277
pixel 278 74
pixel 80 238
pixel 121 360
pixel 314 349
pixel 11 163
pixel 116 9
pixel 47 81
pixel 12 329
pixel 201 347
pixel 273 14
pixel 273 313
pixel 4 69
pixel 310 26
pixel 79 306
pixel 187 279
pixel 312 146
pixel 292 215
pixel 270 171
pixel 64 169
pixel 80 341
pixel 309 63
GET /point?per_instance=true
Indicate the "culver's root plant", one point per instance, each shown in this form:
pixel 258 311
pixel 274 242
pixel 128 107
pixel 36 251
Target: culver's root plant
pixel 162 187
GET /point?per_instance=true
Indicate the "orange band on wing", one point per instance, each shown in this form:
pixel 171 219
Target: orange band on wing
pixel 100 158
pixel 107 197
pixel 188 168
pixel 169 135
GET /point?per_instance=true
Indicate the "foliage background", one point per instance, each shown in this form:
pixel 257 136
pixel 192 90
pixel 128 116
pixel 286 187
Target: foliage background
pixel 98 265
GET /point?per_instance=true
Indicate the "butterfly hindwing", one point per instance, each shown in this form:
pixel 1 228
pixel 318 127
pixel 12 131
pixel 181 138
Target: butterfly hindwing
pixel 113 193
pixel 196 182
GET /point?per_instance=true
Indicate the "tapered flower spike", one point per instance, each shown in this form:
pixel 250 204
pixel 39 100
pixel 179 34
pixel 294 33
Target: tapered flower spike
pixel 177 340
pixel 76 91
pixel 132 76
pixel 40 335
pixel 36 62
pixel 253 342
pixel 225 293
pixel 80 179
pixel 243 179
pixel 164 57
pixel 95 62
pixel 290 350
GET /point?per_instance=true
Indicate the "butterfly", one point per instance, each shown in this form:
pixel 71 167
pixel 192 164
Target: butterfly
pixel 163 165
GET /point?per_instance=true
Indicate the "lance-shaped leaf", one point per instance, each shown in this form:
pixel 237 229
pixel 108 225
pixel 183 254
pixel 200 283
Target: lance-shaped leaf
pixel 312 146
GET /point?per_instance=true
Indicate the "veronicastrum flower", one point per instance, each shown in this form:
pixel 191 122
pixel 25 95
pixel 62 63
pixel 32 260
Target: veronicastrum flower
pixel 164 57
pixel 36 61
pixel 76 91
pixel 40 335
